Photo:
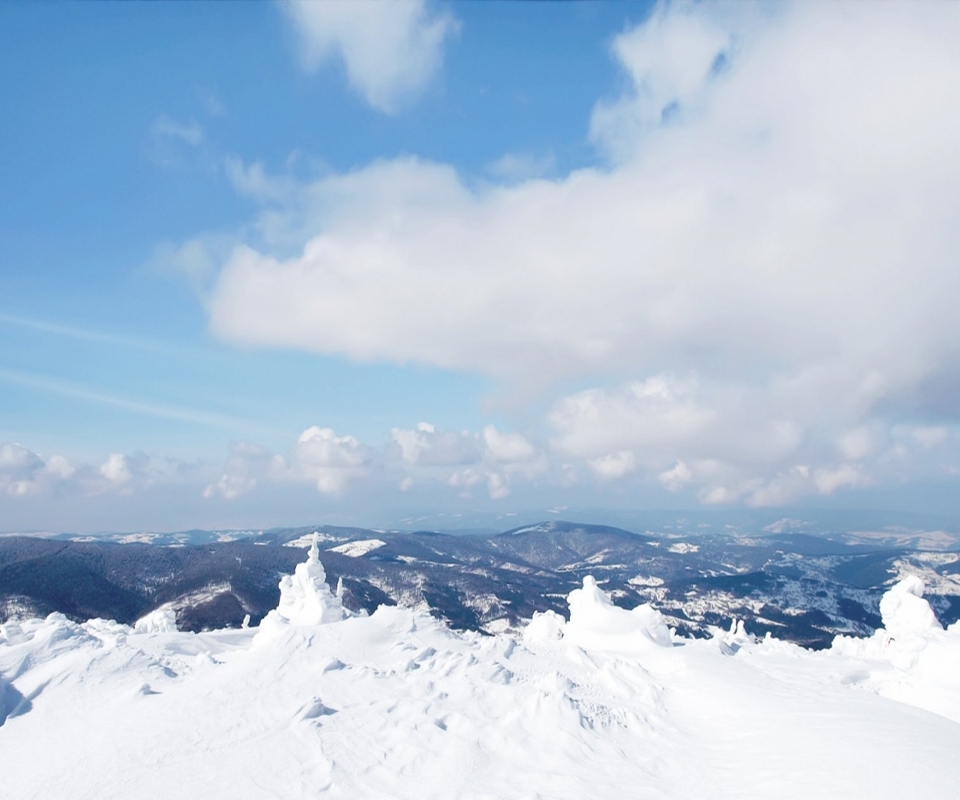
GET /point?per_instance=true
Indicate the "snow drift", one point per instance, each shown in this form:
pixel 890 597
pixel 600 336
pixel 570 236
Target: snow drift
pixel 319 702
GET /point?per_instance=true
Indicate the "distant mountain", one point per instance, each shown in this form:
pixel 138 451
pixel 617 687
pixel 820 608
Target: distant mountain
pixel 800 587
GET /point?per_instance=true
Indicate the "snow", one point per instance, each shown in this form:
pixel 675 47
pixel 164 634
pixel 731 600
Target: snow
pixel 597 624
pixel 305 598
pixel 645 580
pixel 321 702
pixel 358 548
pixel 546 626
pixel 138 538
pixel 904 611
pixel 162 620
pixel 308 538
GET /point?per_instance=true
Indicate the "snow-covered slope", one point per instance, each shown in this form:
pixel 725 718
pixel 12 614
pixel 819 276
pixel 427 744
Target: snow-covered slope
pixel 321 702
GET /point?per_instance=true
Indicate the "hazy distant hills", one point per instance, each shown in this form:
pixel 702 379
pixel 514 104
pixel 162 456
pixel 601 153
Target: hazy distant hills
pixel 801 587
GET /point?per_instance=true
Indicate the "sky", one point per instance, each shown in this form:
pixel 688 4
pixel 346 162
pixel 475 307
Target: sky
pixel 283 263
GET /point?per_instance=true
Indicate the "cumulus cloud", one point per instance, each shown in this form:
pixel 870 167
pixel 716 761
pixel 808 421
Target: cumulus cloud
pixel 515 167
pixel 246 465
pixel 116 469
pixel 428 446
pixel 466 478
pixel 490 456
pixel 508 448
pixel 770 251
pixel 613 465
pixel 661 411
pixel 669 59
pixel 754 234
pixel 390 50
pixel 25 473
pixel 497 486
pixel 21 470
pixel 331 461
pixel 675 478
pixel 123 474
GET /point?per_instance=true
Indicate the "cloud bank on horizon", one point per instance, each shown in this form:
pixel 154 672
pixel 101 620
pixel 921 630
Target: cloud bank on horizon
pixel 748 298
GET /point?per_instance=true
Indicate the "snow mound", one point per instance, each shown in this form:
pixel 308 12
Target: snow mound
pixel 161 620
pixel 546 626
pixel 904 611
pixel 596 623
pixel 911 658
pixel 734 639
pixel 909 625
pixel 305 598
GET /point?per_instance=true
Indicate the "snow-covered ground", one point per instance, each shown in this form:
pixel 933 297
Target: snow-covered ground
pixel 359 547
pixel 319 702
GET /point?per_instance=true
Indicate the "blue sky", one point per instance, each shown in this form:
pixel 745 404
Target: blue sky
pixel 270 264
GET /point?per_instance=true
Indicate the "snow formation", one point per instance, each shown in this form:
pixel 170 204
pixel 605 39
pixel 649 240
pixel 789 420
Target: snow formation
pixel 323 703
pixel 305 598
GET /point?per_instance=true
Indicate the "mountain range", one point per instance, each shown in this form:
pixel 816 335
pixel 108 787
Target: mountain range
pixel 801 587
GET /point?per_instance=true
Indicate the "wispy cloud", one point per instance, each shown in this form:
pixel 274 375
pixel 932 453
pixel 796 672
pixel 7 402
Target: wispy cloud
pixel 179 413
pixel 171 143
pixel 165 127
pixel 85 334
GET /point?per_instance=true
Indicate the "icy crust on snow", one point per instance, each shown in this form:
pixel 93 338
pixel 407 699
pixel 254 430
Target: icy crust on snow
pixel 320 703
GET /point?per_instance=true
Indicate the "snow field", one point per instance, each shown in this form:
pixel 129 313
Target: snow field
pixel 318 702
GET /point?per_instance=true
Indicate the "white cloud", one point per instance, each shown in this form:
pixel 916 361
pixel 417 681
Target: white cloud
pixel 508 448
pixel 797 218
pixel 465 479
pixel 26 473
pixel 60 468
pixel 331 461
pixel 856 444
pixel 613 465
pixel 513 167
pixel 252 180
pixel 230 487
pixel 21 470
pixel 497 486
pixel 771 253
pixel 675 478
pixel 660 411
pixel 491 455
pixel 390 49
pixel 427 446
pixel 669 60
pixel 247 464
pixel 116 469
pixel 928 436
pixel 844 475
